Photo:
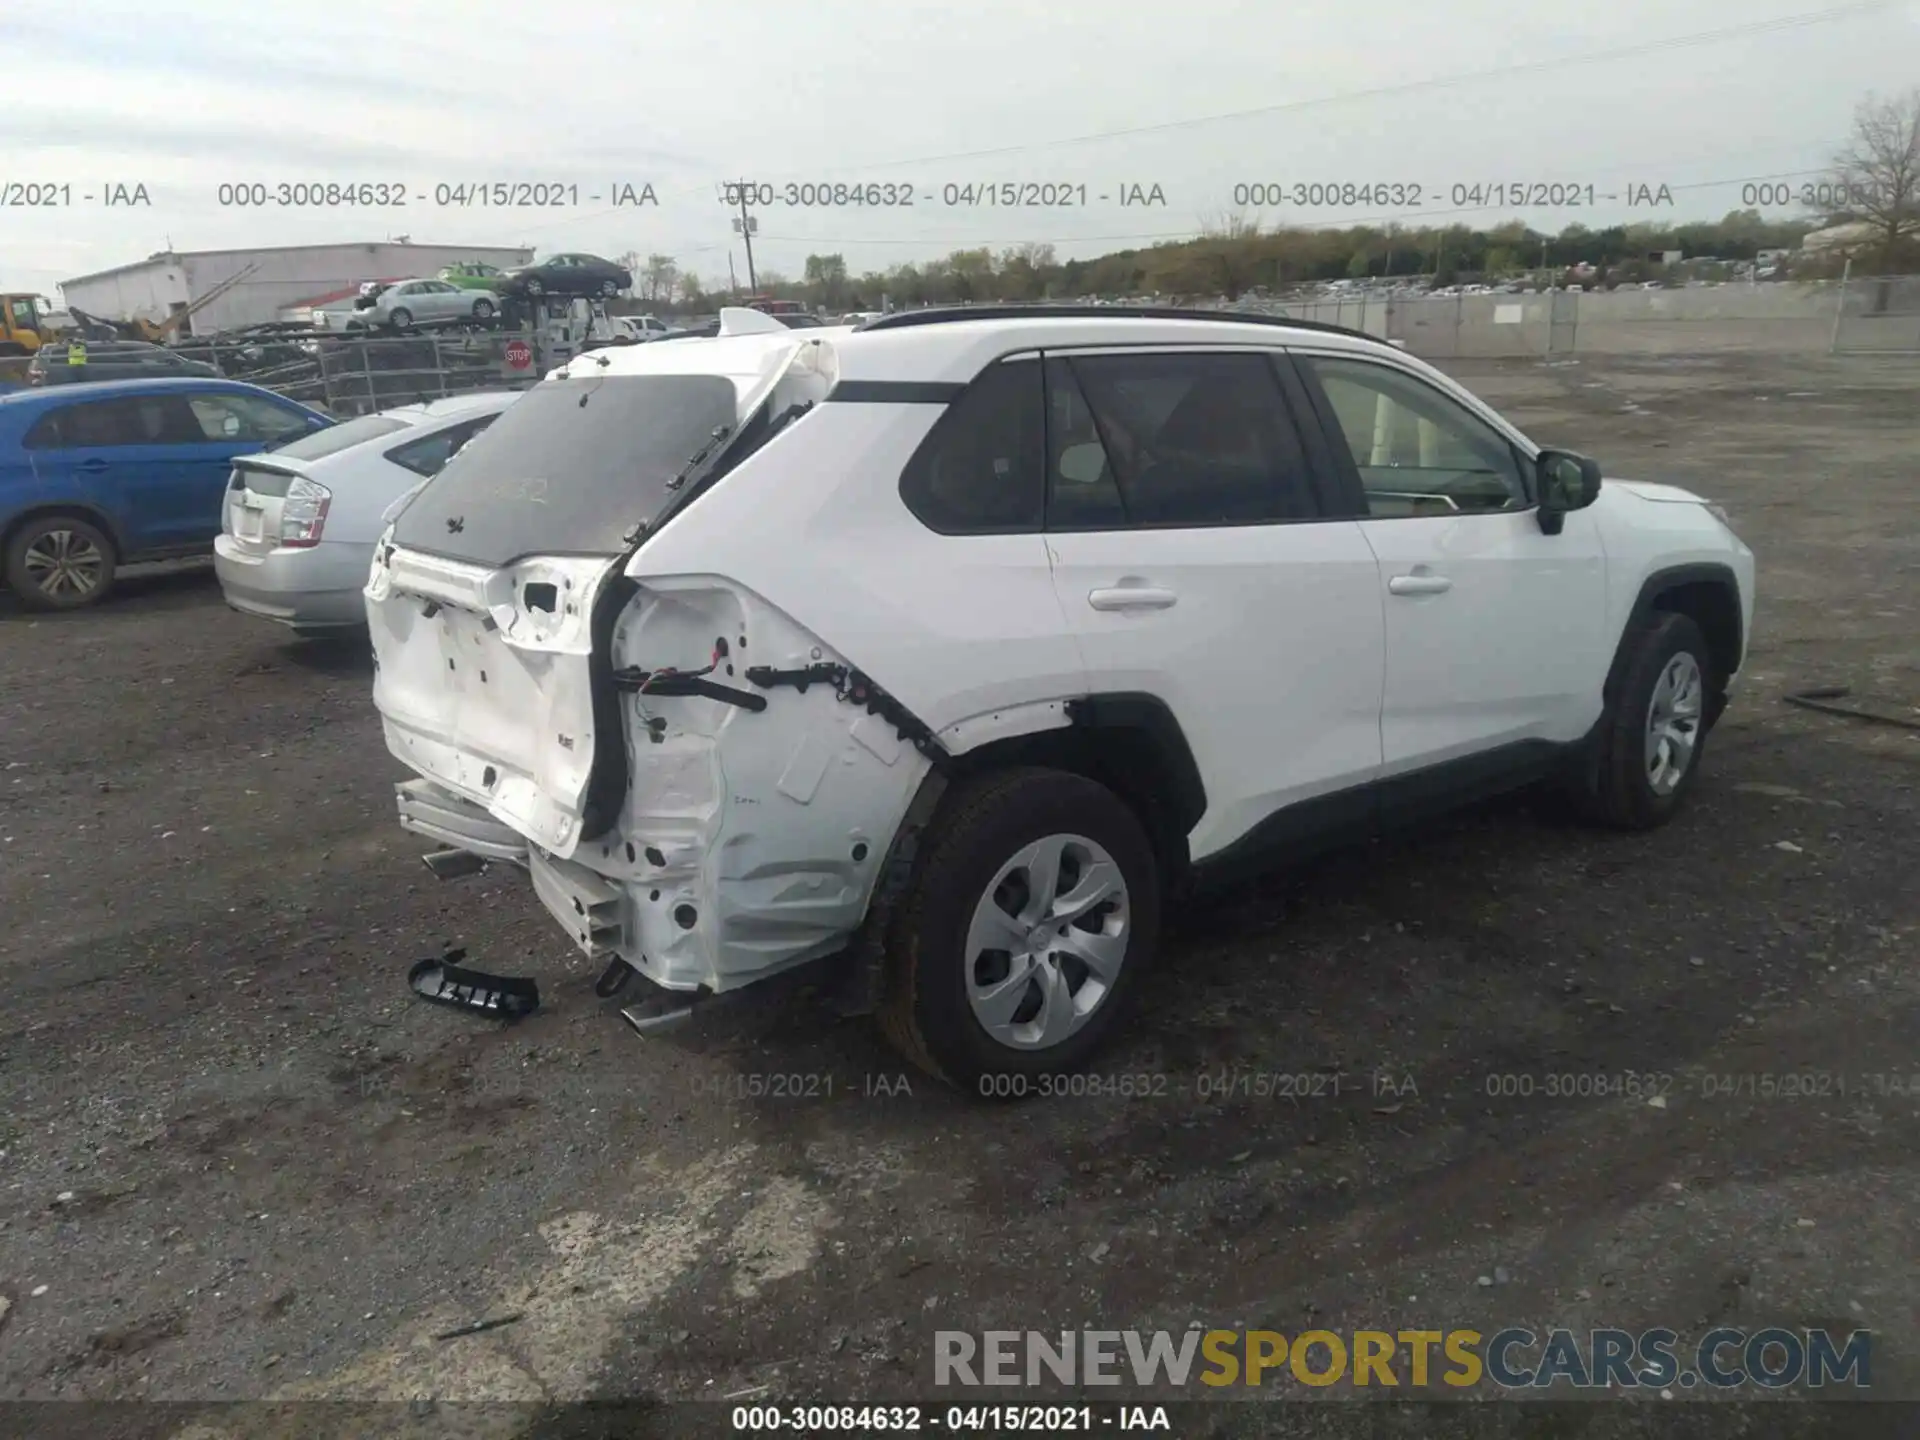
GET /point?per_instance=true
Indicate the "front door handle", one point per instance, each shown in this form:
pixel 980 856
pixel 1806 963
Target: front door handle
pixel 1131 597
pixel 1419 585
pixel 92 465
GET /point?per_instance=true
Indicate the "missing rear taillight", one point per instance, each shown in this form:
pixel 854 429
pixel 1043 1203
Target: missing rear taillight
pixel 541 596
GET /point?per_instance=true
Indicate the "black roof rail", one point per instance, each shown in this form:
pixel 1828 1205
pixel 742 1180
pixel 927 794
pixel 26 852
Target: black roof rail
pixel 949 314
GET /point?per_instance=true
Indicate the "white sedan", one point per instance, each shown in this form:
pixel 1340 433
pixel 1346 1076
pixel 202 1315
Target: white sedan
pixel 299 523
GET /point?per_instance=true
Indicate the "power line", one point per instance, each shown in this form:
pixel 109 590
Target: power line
pixel 1407 87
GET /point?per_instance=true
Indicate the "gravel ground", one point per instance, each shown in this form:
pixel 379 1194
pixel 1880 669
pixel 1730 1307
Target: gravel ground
pixel 239 1162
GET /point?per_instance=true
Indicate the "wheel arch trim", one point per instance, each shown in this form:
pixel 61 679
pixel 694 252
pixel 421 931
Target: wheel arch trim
pixel 78 510
pixel 1658 585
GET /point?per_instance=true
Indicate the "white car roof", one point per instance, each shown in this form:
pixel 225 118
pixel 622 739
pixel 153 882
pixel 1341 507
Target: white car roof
pixel 476 402
pixel 952 350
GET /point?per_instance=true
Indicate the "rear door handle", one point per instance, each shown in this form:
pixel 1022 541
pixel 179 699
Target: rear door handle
pixel 1131 597
pixel 93 466
pixel 1419 584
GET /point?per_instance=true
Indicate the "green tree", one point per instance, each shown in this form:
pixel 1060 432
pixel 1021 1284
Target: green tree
pixel 972 272
pixel 826 281
pixel 1360 265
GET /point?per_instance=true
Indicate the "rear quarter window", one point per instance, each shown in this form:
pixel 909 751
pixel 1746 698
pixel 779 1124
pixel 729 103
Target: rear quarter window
pixel 981 469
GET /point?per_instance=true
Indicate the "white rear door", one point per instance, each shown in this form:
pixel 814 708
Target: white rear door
pixel 1192 564
pixel 483 608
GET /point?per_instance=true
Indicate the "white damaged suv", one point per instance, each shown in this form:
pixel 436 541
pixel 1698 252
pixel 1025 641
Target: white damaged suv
pixel 959 644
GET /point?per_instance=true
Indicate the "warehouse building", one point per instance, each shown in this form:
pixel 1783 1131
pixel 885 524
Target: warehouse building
pixel 270 279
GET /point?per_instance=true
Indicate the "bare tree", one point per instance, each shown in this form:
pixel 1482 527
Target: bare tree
pixel 1228 251
pixel 1879 172
pixel 661 273
pixel 1229 225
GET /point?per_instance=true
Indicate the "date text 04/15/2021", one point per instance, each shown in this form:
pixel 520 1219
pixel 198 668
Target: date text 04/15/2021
pixel 948 1419
pixel 310 194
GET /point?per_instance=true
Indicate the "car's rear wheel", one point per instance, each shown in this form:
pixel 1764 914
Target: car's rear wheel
pixel 1033 907
pixel 60 562
pixel 401 318
pixel 609 289
pixel 1655 733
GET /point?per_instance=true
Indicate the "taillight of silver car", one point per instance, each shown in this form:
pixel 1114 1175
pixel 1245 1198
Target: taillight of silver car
pixel 303 515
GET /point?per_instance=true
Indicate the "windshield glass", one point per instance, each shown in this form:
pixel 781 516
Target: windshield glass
pixel 336 438
pixel 569 468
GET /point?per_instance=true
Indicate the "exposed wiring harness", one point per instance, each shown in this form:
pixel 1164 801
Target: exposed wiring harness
pixel 639 700
pixel 1821 699
pixel 671 681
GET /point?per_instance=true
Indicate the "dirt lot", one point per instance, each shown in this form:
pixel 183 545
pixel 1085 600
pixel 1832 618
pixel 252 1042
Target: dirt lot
pixel 237 1160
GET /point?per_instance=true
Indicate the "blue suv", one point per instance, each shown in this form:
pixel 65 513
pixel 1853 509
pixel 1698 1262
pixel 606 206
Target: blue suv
pixel 97 476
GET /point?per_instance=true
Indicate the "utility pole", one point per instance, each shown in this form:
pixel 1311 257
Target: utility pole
pixel 745 225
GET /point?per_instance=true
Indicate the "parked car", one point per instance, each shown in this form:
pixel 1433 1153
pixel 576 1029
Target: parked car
pixel 570 274
pixel 300 522
pixel 643 327
pixel 860 317
pixel 413 304
pixel 98 476
pixel 798 320
pixel 1301 585
pixel 472 275
pixel 76 362
pixel 627 329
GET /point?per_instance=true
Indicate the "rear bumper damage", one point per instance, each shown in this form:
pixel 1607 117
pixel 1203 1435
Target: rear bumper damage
pixel 758 812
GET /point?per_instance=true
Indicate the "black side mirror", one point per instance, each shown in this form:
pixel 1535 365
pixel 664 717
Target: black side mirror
pixel 1567 482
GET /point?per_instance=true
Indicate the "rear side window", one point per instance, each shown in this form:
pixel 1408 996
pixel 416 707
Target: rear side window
pixel 142 420
pixel 73 426
pixel 1171 440
pixel 978 472
pixel 429 454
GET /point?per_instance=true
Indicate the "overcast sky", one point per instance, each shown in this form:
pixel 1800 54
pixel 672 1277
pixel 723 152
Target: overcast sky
pixel 185 96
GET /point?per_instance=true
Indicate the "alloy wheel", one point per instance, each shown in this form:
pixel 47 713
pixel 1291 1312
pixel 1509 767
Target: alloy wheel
pixel 1046 943
pixel 64 564
pixel 1673 722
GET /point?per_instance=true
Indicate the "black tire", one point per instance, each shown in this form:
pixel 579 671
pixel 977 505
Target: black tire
pixel 401 318
pixel 28 581
pixel 483 310
pixel 534 287
pixel 1617 791
pixel 609 289
pixel 981 825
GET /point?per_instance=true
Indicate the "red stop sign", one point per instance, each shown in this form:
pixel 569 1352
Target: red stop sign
pixel 519 354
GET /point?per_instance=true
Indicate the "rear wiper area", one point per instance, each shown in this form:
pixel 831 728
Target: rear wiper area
pixel 739 441
pixel 699 457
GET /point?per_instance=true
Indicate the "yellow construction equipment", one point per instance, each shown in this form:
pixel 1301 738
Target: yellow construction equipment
pixel 23 324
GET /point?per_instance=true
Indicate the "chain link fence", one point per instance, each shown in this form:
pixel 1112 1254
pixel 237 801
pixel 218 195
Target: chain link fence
pixel 356 375
pixel 1880 315
pixel 359 375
